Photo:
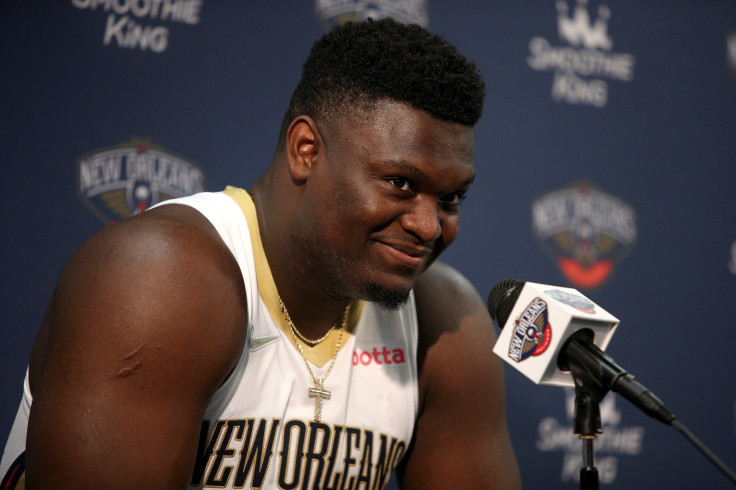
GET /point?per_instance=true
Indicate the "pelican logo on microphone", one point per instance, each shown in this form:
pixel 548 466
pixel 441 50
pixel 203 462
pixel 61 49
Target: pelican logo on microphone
pixel 532 332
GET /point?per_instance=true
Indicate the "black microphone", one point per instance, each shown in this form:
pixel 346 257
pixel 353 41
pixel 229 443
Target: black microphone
pixel 546 330
pixel 574 322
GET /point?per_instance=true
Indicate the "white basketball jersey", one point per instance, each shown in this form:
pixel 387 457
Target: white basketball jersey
pixel 260 426
pixel 260 429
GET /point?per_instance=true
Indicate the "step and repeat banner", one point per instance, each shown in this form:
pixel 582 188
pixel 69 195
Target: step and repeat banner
pixel 605 161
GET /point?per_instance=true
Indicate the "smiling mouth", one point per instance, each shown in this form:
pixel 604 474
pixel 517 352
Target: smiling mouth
pixel 405 255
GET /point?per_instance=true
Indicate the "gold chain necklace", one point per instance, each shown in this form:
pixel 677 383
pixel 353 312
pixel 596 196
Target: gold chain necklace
pixel 318 391
pixel 301 336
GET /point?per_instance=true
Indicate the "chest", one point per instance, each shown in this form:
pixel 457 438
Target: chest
pixel 261 429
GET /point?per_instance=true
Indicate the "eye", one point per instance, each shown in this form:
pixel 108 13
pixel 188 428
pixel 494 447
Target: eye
pixel 402 184
pixel 453 201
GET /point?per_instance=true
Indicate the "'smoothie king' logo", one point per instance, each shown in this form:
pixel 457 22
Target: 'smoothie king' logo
pixel 585 61
pixel 125 180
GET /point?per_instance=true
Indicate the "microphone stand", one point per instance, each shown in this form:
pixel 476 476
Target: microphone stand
pixel 594 375
pixel 587 423
pixel 589 391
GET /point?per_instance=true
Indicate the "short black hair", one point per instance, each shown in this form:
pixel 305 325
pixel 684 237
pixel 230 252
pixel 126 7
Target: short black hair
pixel 364 62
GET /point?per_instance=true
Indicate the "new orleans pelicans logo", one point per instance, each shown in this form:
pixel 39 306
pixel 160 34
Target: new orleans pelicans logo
pixel 337 12
pixel 585 230
pixel 532 333
pixel 125 180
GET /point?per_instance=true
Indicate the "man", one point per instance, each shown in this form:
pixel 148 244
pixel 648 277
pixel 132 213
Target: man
pixel 297 336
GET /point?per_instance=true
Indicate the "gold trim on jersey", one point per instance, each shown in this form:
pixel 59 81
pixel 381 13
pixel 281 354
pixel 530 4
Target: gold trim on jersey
pixel 321 353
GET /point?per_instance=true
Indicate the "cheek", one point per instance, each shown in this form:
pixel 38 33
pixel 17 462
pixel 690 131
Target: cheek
pixel 450 227
pixel 357 207
pixel 344 220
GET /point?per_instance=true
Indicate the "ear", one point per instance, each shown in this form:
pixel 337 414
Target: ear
pixel 303 144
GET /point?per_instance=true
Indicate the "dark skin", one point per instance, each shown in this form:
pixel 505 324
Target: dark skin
pixel 121 372
pixel 149 316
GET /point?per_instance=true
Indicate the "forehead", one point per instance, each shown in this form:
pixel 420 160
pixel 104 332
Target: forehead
pixel 395 131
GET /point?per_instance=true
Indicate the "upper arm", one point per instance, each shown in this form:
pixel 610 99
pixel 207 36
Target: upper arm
pixel 146 321
pixel 461 438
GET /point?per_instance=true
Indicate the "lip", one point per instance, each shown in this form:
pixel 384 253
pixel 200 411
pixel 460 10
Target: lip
pixel 406 255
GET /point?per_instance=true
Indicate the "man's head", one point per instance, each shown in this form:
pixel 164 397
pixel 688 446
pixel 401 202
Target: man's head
pixel 358 64
pixel 375 155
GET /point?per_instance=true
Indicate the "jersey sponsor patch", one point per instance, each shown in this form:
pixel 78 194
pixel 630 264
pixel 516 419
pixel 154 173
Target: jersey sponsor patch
pixel 378 356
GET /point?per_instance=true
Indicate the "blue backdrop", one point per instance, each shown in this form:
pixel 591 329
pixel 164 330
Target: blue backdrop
pixel 605 161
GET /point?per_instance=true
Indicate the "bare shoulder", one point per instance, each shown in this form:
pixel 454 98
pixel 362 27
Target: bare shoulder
pixel 166 269
pixel 442 293
pixel 453 323
pixel 461 439
pixel 146 321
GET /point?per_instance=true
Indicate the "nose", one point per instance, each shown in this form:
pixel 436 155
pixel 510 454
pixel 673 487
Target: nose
pixel 422 219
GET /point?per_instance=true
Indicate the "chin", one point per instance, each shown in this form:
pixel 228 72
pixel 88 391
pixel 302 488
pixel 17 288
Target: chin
pixel 386 298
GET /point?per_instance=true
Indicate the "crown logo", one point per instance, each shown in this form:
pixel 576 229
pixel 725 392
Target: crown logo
pixel 578 29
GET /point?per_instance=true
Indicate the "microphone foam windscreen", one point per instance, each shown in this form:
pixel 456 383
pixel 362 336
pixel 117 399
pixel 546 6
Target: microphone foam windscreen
pixel 502 298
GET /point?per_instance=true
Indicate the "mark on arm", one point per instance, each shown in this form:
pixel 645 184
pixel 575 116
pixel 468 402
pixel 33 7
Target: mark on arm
pixel 133 360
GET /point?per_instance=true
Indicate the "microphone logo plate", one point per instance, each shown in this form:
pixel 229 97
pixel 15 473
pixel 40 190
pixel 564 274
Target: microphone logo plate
pixel 532 332
pixel 577 301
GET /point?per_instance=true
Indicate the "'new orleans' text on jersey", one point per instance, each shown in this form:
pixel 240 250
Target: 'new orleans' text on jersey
pixel 310 455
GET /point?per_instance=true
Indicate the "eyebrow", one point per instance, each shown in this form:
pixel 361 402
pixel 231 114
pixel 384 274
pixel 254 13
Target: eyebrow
pixel 419 175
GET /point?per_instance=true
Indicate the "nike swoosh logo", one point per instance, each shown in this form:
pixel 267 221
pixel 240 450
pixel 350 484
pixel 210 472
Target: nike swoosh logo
pixel 254 344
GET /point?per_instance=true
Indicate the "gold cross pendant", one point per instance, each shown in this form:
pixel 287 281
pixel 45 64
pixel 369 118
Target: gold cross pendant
pixel 319 393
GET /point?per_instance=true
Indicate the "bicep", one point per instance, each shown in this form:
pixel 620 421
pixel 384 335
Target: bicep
pixel 461 437
pixel 128 359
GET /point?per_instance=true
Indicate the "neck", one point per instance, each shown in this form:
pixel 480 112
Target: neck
pixel 311 306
